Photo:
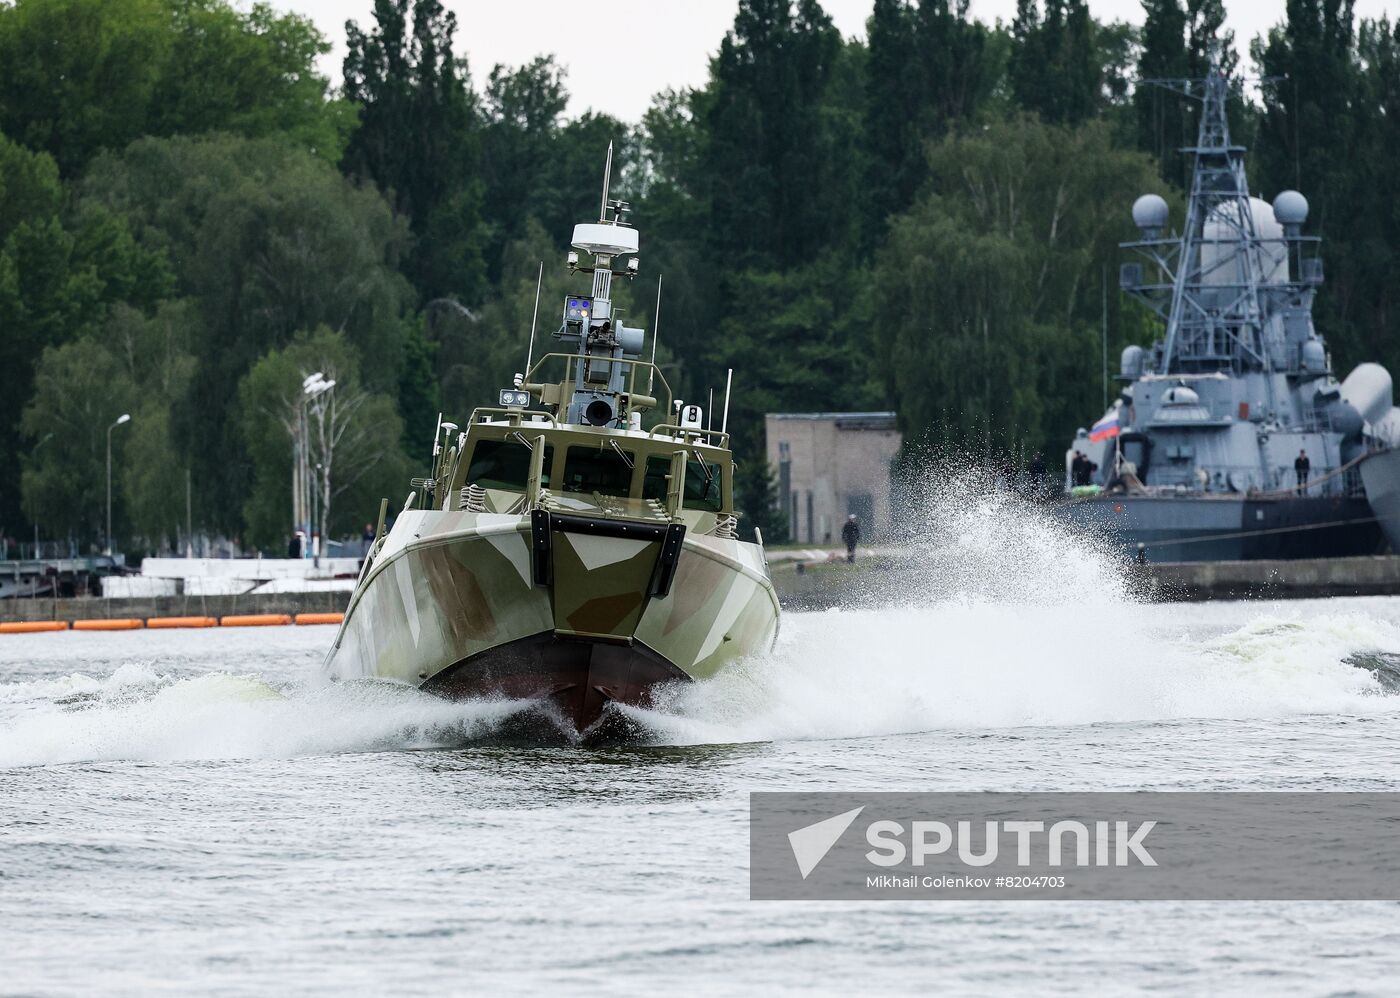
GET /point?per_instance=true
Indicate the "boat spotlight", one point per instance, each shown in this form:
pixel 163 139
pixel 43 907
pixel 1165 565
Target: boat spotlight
pixel 598 413
pixel 572 259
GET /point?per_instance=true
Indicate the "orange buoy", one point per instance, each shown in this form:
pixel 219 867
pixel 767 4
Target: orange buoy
pixel 320 618
pixel 256 620
pixel 109 624
pixel 163 622
pixel 33 626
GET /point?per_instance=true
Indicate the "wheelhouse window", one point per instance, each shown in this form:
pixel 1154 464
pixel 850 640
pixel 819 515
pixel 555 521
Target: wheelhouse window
pixel 607 472
pixel 703 488
pixel 504 464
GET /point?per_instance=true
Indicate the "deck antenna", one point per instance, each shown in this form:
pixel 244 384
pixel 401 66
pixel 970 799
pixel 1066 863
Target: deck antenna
pixel 710 412
pixel 534 320
pixel 655 335
pixel 1103 290
pixel 607 181
pixel 728 383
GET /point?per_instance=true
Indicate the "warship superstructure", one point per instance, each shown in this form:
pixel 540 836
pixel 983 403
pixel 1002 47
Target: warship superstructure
pixel 1230 438
pixel 562 553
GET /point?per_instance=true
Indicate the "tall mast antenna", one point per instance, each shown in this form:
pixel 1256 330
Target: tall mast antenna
pixel 529 357
pixel 655 335
pixel 728 383
pixel 607 182
pixel 1103 329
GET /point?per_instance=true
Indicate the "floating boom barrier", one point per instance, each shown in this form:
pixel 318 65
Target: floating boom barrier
pixel 33 626
pixel 169 623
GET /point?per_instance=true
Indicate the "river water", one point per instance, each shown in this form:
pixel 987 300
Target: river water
pixel 197 811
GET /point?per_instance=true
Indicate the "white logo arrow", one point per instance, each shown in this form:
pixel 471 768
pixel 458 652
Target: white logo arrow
pixel 811 844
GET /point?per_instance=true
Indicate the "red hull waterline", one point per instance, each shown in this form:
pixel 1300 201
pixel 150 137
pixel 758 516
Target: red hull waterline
pixel 575 679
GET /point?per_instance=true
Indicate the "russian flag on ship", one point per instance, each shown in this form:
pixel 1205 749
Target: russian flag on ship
pixel 1106 428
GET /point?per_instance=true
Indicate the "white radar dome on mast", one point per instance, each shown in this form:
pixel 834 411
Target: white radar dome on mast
pixel 1290 208
pixel 1150 213
pixel 607 237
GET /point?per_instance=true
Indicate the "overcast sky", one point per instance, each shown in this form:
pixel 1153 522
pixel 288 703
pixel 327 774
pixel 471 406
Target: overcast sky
pixel 646 46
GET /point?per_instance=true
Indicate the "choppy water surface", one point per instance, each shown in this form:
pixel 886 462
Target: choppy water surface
pixel 195 811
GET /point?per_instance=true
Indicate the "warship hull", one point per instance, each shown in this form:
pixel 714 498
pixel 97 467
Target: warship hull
pixel 576 612
pixel 1187 528
pixel 1380 472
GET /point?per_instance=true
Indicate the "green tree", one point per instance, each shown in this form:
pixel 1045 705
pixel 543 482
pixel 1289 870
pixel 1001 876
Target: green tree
pixel 1162 123
pixel 1314 107
pixel 1177 43
pixel 270 240
pixel 58 274
pixel 756 496
pixel 157 353
pixel 772 162
pixel 990 286
pixel 538 166
pixel 78 76
pixel 355 443
pixel 478 351
pixel 418 139
pixel 802 319
pixel 1055 70
pixel 135 363
pixel 894 102
pixel 929 67
pixel 80 389
pixel 522 109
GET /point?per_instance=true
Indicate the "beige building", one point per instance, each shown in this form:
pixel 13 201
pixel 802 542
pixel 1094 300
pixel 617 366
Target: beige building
pixel 832 464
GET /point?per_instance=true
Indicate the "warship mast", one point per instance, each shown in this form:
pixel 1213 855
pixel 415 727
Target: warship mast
pixel 1223 280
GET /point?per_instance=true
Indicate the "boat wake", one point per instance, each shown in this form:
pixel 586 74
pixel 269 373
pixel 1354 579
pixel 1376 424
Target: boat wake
pixel 1002 617
pixel 998 620
pixel 837 674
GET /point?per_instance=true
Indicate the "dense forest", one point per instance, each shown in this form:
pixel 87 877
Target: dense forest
pixel 192 218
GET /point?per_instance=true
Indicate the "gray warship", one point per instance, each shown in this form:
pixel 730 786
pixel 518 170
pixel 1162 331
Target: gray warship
pixel 1230 438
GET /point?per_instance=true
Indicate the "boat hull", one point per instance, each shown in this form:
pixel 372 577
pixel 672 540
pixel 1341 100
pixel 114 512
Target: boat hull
pixel 480 605
pixel 576 679
pixel 1185 528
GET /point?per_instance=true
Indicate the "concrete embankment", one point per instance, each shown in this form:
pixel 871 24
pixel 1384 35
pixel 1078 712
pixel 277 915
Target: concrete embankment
pixel 143 607
pixel 1311 578
pixel 887 578
pixel 817 584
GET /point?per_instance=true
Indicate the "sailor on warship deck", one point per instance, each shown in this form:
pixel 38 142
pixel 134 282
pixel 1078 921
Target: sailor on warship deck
pixel 1302 467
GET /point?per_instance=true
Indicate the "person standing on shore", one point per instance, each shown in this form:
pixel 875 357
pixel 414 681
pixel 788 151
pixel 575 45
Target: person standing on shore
pixel 850 533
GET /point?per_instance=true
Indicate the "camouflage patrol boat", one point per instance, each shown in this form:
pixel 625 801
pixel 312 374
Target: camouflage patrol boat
pixel 564 554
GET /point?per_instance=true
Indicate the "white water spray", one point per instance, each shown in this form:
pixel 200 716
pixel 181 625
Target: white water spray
pixel 998 619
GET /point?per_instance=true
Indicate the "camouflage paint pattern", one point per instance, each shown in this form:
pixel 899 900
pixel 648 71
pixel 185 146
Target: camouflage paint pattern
pixel 450 585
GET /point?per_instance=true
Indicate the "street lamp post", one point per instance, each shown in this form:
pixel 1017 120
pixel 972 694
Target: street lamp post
pixel 46 438
pixel 123 418
pixel 313 390
pixel 312 387
pixel 316 513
